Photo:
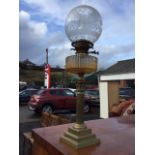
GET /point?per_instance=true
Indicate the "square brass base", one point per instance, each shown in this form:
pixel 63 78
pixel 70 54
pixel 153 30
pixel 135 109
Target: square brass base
pixel 79 138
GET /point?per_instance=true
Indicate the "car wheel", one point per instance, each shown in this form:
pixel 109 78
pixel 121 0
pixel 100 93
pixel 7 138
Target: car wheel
pixel 86 108
pixel 47 108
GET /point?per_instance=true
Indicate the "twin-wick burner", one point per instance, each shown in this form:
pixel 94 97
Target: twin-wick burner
pixel 89 52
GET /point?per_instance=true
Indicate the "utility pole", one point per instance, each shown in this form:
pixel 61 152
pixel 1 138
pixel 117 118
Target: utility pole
pixel 47 72
pixel 46 55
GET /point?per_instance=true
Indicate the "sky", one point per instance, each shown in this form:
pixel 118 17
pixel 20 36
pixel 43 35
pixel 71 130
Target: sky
pixel 41 26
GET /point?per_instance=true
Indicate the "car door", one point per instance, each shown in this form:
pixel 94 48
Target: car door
pixel 57 98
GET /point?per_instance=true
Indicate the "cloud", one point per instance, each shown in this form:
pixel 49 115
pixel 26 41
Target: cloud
pixel 31 36
pixel 54 10
pixel 39 29
pixel 35 38
pixel 112 54
pixel 57 10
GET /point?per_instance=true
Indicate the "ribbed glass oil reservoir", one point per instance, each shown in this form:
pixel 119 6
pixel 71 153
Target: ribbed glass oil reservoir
pixel 81 63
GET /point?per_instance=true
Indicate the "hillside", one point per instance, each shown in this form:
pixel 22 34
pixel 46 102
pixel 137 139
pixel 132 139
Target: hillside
pixel 34 75
pixel 37 77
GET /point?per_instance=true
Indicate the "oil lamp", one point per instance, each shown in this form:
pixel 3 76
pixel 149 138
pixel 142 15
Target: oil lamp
pixel 83 27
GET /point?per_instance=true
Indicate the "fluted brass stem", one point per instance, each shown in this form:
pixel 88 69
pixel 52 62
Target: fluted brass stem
pixel 80 102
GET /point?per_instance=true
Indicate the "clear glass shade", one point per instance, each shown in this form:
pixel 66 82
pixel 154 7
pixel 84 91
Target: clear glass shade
pixel 83 23
pixel 81 63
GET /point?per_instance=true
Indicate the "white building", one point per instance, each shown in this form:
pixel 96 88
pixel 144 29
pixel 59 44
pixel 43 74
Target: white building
pixel 121 74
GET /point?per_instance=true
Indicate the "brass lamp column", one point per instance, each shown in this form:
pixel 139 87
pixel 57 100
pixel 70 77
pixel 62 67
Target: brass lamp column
pixel 83 27
pixel 80 102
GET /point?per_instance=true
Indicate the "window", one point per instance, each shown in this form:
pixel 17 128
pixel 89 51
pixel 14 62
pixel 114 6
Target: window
pixel 52 92
pixel 56 92
pixel 59 93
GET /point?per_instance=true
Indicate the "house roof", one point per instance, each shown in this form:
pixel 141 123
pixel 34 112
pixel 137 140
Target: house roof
pixel 121 67
pixel 28 62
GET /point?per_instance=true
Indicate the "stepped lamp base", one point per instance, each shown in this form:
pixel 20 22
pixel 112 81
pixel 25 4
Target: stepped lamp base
pixel 79 136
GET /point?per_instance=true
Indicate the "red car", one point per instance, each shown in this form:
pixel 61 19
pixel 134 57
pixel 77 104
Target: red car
pixel 49 100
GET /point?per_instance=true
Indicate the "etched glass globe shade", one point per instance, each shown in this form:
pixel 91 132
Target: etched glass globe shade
pixel 83 23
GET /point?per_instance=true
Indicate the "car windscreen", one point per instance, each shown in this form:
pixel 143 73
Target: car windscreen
pixel 25 92
pixel 40 92
pixel 126 92
pixel 34 92
pixel 92 92
pixel 68 93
